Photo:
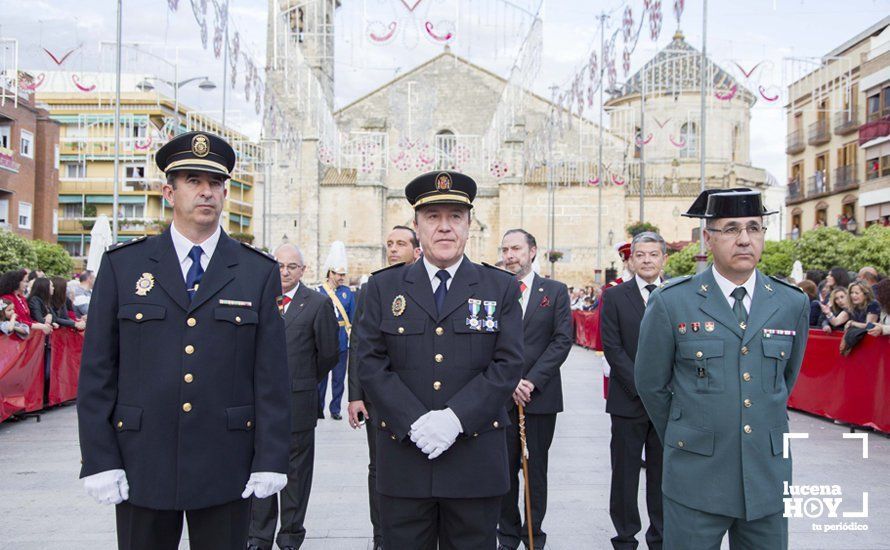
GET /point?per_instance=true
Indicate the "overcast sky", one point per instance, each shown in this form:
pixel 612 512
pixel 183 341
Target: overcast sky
pixel 747 32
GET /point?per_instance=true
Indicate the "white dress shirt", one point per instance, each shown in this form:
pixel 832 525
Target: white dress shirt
pixel 431 271
pixel 727 286
pixel 641 283
pixel 290 294
pixel 526 294
pixel 183 246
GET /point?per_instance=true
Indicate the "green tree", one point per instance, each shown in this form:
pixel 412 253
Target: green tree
pixel 52 259
pixel 871 248
pixel 636 228
pixel 15 252
pixel 683 261
pixel 777 258
pixel 824 248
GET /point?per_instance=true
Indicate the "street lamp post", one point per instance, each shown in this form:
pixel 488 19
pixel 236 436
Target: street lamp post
pixel 206 85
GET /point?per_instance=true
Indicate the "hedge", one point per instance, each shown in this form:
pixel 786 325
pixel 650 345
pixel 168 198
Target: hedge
pixel 17 252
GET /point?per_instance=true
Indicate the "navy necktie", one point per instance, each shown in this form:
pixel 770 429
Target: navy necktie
pixel 440 293
pixel 195 272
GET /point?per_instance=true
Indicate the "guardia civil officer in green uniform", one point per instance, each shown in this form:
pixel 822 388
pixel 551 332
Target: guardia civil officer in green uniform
pixel 183 403
pixel 718 355
pixel 439 354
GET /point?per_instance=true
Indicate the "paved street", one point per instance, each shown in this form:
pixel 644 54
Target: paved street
pixel 42 504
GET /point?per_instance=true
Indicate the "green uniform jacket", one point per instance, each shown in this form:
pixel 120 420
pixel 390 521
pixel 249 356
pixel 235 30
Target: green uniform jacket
pixel 717 391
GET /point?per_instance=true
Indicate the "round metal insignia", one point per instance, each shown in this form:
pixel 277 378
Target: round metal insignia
pixel 489 323
pixel 398 305
pixel 200 145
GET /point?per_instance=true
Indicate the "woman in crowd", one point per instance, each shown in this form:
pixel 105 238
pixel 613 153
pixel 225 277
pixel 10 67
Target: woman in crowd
pixel 837 278
pixel 882 295
pixel 838 302
pixel 39 299
pixel 809 287
pixel 61 306
pixel 8 323
pixel 12 289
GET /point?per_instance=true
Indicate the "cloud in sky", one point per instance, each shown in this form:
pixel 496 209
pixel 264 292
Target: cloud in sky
pixel 751 30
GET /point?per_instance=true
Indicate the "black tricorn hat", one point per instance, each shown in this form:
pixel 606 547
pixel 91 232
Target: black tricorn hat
pixel 442 187
pixel 739 202
pixel 198 151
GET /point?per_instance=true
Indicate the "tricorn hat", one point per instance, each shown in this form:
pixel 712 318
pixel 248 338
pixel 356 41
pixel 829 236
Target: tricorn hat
pixel 739 202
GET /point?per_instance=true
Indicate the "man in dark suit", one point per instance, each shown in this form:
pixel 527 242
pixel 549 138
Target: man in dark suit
pixel 632 431
pixel 547 329
pixel 440 352
pixel 402 246
pixel 183 403
pixel 312 351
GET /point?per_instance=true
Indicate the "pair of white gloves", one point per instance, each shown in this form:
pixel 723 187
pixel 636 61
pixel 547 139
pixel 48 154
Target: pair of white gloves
pixel 111 487
pixel 435 432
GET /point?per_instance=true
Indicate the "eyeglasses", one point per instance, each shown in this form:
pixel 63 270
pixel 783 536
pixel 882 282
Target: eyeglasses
pixel 733 231
pixel 289 267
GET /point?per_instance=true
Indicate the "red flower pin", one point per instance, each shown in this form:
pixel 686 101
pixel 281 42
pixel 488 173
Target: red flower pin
pixel 545 302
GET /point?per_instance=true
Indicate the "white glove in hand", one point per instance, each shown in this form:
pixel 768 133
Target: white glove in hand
pixel 435 432
pixel 108 487
pixel 264 484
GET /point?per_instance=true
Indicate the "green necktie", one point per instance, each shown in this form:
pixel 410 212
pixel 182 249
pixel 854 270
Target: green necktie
pixel 741 314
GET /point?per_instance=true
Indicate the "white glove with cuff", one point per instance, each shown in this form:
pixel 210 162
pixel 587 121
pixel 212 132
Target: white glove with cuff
pixel 264 484
pixel 435 432
pixel 108 487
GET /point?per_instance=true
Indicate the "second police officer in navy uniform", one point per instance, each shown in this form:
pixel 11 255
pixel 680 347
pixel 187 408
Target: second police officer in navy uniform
pixel 183 401
pixel 440 353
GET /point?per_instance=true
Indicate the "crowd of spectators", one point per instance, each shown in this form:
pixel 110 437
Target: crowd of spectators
pixel 585 298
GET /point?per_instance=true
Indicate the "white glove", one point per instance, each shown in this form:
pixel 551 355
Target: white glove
pixel 264 484
pixel 435 432
pixel 108 487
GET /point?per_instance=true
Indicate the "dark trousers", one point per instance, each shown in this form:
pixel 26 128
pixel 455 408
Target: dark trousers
pixel 222 527
pixel 539 430
pixel 443 523
pixel 338 376
pixel 686 527
pixel 629 436
pixel 373 495
pixel 294 499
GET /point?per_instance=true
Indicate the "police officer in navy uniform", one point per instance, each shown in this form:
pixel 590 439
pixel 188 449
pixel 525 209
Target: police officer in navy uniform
pixel 183 398
pixel 440 353
pixel 717 358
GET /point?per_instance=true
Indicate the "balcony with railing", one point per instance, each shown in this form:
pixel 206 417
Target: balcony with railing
pixel 818 133
pixel 845 177
pixel 127 226
pixel 874 129
pixel 106 185
pixel 795 192
pixel 239 207
pixel 794 143
pixel 846 122
pixel 817 185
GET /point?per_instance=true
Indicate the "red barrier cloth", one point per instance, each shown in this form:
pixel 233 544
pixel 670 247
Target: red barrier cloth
pixel 21 374
pixel 67 345
pixel 586 327
pixel 852 389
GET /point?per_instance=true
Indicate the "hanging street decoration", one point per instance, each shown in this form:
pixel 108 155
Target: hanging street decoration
pixel 388 19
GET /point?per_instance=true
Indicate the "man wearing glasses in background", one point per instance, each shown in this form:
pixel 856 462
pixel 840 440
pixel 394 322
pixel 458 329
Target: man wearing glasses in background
pixel 718 356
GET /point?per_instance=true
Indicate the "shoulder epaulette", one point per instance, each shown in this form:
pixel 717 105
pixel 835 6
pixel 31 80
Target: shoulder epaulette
pixel 382 269
pixel 786 283
pixel 675 281
pixel 486 264
pixel 118 246
pixel 258 250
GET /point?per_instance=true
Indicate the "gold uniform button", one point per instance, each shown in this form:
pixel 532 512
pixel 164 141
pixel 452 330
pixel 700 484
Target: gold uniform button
pixel 191 321
pixel 747 403
pixel 439 358
pixel 190 349
pixel 237 318
pixel 401 330
pixel 393 437
pixel 382 424
pixel 746 377
pixel 138 316
pixel 189 378
pixel 440 331
pixel 698 355
pixel 475 434
pixel 744 350
pixel 249 424
pixel 495 424
pixel 782 353
pixel 120 424
pixel 681 444
pixel 187 407
pixel 437 385
pixel 747 429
